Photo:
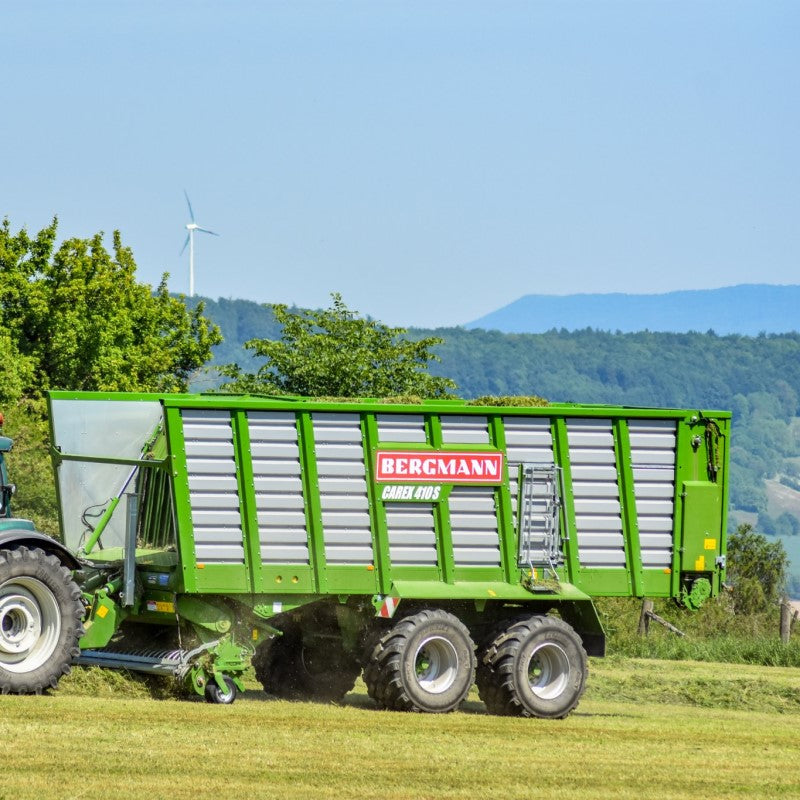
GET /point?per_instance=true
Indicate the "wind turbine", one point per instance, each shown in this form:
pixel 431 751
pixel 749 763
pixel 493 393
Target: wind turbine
pixel 192 227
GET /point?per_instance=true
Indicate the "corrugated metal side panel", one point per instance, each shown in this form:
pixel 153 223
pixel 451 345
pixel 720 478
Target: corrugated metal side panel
pixel 401 428
pixel 598 516
pixel 473 525
pixel 412 534
pixel 213 490
pixel 528 441
pixel 653 444
pixel 343 488
pixel 275 454
pixel 458 429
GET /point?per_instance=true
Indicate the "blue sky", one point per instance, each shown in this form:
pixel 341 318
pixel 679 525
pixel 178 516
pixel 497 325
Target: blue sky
pixel 431 161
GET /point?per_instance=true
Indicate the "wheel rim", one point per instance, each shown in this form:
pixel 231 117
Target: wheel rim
pixel 30 624
pixel 548 671
pixel 227 695
pixel 436 664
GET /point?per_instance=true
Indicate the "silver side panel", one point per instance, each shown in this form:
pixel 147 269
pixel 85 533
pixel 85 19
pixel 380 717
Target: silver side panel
pixel 598 516
pixel 401 428
pixel 213 491
pixel 464 429
pixel 528 441
pixel 653 444
pixel 343 489
pixel 412 535
pixel 278 487
pixel 473 525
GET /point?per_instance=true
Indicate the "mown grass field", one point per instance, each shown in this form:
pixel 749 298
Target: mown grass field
pixel 645 729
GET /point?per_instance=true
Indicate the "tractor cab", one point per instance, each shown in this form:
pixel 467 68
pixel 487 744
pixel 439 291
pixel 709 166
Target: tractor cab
pixel 6 489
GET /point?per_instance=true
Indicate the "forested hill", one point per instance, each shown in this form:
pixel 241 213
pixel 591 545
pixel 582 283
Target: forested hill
pixel 745 309
pixel 758 378
pixel 669 369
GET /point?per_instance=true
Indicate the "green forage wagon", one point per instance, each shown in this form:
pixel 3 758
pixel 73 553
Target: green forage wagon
pixel 427 545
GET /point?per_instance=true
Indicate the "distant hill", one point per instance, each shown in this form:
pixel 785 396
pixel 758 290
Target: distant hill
pixel 748 309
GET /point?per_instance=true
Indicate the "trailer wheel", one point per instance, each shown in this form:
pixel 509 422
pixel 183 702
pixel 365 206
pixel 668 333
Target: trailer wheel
pixel 532 667
pixel 40 621
pixel 290 670
pixel 425 662
pixel 214 694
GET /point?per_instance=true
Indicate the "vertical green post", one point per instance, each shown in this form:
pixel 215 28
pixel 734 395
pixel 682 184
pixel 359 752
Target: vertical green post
pixel 444 537
pixel 183 508
pixel 308 469
pixel 684 470
pixel 627 500
pixel 247 498
pixel 558 427
pixel 380 534
pixel 502 502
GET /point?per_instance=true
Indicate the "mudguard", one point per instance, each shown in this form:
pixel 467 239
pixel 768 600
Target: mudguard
pixel 25 537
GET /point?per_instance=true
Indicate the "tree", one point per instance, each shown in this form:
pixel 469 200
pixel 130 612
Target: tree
pixel 757 569
pixel 336 353
pixel 77 318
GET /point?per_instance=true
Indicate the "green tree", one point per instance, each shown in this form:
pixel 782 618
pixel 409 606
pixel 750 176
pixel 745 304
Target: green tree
pixel 757 570
pixel 76 318
pixel 336 353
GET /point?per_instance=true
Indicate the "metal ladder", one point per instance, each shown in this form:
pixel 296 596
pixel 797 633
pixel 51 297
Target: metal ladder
pixel 538 506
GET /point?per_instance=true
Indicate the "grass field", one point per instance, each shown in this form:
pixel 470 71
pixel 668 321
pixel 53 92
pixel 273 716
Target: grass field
pixel 645 729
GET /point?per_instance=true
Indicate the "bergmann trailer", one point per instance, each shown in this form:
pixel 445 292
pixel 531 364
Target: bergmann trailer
pixel 428 545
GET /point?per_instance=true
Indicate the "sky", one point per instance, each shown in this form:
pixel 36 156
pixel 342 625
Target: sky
pixel 431 161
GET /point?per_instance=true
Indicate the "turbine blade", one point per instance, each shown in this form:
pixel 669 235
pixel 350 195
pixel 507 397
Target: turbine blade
pixel 189 203
pixel 185 244
pixel 206 230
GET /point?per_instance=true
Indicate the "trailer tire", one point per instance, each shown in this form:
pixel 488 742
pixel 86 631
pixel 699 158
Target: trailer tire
pixel 40 621
pixel 289 670
pixel 424 662
pixel 532 667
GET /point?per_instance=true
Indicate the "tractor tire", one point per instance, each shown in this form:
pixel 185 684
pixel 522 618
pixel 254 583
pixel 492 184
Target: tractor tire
pixel 290 670
pixel 40 621
pixel 424 662
pixel 532 667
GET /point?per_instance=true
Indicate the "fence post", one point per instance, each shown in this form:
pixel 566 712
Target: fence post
pixel 786 620
pixel 644 617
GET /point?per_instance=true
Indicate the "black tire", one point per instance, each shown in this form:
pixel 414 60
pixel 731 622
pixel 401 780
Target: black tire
pixel 214 694
pixel 40 621
pixel 532 667
pixel 290 670
pixel 424 662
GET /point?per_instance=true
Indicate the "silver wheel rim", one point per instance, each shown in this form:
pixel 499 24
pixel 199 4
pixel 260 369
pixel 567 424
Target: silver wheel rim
pixel 548 671
pixel 436 664
pixel 30 624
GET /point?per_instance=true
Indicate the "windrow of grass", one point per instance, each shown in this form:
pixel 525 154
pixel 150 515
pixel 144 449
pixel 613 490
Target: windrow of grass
pixel 712 633
pixel 693 683
pixel 615 678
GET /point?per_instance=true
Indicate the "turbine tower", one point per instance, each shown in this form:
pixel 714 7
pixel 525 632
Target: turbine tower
pixel 192 227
